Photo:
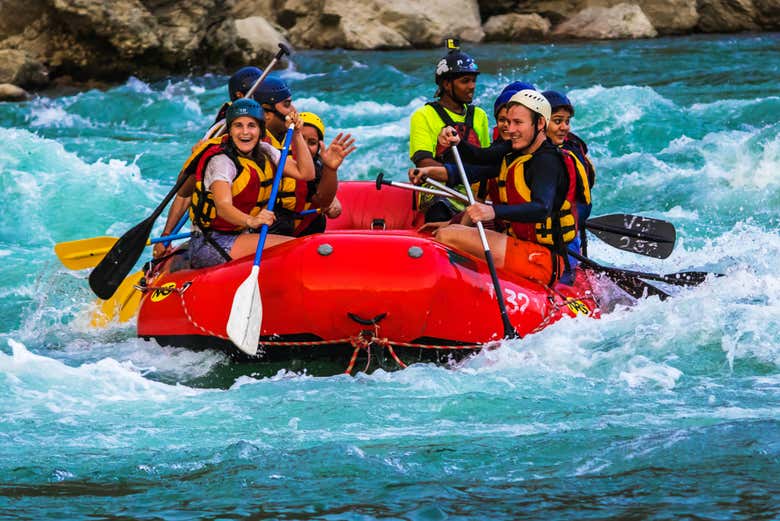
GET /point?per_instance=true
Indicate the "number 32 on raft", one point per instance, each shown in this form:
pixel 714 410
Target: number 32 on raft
pixel 515 301
pixel 518 302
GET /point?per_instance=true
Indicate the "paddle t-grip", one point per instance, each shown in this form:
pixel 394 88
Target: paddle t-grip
pixel 380 180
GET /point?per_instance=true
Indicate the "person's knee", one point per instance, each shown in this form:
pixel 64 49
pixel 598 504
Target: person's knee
pixel 451 235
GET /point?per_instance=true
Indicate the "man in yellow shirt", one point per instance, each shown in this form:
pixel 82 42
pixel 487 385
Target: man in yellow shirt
pixel 456 79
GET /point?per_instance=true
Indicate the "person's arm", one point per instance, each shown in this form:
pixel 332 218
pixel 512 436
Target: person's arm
pixel 492 155
pixel 332 157
pixel 302 167
pixel 180 204
pixel 422 140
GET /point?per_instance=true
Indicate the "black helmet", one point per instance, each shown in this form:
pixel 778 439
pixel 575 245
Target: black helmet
pixel 242 81
pixel 455 63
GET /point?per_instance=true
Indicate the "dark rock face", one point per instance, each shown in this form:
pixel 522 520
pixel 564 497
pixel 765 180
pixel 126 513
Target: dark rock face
pixel 44 41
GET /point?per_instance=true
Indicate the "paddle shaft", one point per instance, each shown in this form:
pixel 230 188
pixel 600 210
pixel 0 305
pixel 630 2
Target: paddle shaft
pixel 274 192
pixel 166 239
pixel 623 238
pixel 509 330
pixel 246 312
pixel 441 186
pixel 409 186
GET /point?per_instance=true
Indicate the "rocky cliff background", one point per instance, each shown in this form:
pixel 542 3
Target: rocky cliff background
pixel 51 42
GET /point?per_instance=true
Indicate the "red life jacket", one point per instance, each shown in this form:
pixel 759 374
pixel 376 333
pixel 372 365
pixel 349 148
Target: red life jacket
pixel 250 189
pixel 511 188
pixel 582 183
pixel 465 129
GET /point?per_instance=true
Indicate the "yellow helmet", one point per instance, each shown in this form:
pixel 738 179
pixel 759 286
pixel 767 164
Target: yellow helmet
pixel 313 120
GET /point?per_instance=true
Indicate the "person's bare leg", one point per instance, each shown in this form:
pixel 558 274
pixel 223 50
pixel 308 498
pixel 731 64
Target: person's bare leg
pixel 466 238
pixel 246 243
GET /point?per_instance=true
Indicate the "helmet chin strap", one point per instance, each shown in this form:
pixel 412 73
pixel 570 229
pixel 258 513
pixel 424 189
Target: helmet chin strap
pixel 536 132
pixel 536 128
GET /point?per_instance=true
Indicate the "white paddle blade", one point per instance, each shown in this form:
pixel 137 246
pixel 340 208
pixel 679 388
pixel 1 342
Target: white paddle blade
pixel 246 315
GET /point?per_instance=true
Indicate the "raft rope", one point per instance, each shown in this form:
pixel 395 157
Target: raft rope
pixel 366 338
pixel 362 341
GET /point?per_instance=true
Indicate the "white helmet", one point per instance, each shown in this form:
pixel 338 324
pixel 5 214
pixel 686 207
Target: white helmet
pixel 533 101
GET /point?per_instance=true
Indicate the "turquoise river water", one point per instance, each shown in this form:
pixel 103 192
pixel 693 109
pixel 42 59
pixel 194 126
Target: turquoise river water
pixel 660 410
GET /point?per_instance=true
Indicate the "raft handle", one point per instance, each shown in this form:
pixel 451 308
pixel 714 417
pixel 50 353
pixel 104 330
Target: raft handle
pixel 367 321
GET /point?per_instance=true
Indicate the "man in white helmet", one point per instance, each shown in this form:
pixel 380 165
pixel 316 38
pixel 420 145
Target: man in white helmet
pixel 535 200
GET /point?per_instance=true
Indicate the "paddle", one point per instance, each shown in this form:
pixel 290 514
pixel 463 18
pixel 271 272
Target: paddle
pixel 217 128
pixel 83 253
pixel 87 253
pixel 631 281
pixel 632 285
pixel 124 303
pixel 408 186
pixel 121 258
pixel 634 233
pixel 246 313
pixel 127 298
pixel 509 330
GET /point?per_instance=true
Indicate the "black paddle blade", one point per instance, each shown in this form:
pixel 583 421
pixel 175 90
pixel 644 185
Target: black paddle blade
pixel 683 278
pixel 627 281
pixel 112 270
pixel 634 233
pixel 635 287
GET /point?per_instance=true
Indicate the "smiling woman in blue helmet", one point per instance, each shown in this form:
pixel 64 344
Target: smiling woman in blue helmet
pixel 233 178
pixel 238 84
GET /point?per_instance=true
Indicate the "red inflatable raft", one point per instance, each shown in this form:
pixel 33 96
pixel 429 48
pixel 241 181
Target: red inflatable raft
pixel 370 292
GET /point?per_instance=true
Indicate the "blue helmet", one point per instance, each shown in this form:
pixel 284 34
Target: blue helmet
pixel 272 91
pixel 509 91
pixel 242 81
pixel 558 100
pixel 244 107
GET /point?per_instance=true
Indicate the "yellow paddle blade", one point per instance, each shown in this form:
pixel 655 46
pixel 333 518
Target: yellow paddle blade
pixel 84 253
pixel 123 305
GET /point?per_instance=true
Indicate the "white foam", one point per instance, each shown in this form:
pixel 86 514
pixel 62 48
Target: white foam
pixel 44 379
pixel 641 371
pixel 360 109
pixel 45 112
